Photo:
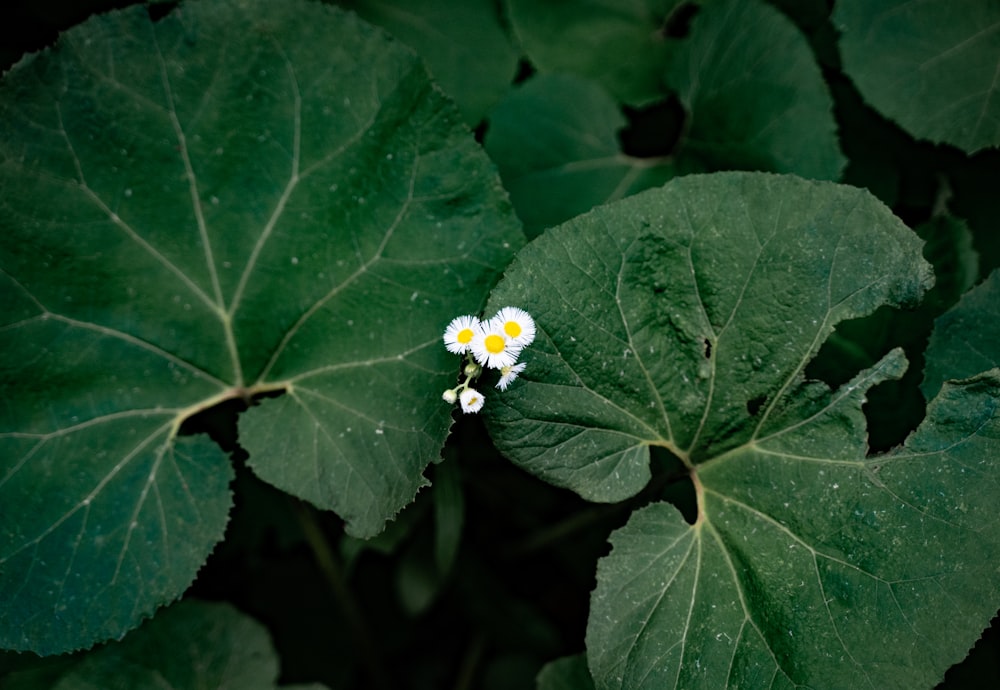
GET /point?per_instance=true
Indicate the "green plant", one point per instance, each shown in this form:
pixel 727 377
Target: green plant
pixel 233 232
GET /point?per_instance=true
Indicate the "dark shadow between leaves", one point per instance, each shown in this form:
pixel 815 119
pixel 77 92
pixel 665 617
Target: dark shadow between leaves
pixel 672 482
pixel 653 131
pixel 159 10
pixel 678 22
pixel 220 422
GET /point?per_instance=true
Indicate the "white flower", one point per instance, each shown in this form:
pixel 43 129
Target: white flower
pixel 449 396
pixel 508 374
pixel 472 400
pixel 516 324
pixel 492 348
pixel 459 333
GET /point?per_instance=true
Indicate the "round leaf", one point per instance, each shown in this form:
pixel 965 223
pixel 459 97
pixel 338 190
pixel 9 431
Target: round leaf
pixel 929 67
pixel 756 97
pixel 684 318
pixel 238 198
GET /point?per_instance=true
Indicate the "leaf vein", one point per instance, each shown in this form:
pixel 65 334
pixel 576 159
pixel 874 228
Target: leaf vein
pixel 361 270
pixel 635 351
pixel 127 229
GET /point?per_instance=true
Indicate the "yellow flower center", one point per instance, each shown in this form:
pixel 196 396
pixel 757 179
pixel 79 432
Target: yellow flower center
pixel 464 336
pixel 512 328
pixel 494 344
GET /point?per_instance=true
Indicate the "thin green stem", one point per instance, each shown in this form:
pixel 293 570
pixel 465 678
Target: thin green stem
pixel 334 574
pixel 470 663
pixel 563 529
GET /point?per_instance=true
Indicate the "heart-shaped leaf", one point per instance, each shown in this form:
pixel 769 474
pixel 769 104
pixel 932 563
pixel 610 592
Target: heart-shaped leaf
pixel 756 96
pixel 929 67
pixel 684 318
pixel 238 198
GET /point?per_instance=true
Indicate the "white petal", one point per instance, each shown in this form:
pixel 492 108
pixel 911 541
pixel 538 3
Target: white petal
pixel 525 325
pixel 471 400
pixel 457 326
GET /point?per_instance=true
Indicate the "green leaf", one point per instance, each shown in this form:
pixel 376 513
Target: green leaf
pixel 932 69
pixel 239 198
pixel 555 142
pixel 756 97
pixel 808 569
pixel 950 248
pixel 568 673
pixel 665 315
pixel 966 338
pixel 449 515
pixel 684 317
pixel 619 44
pixel 189 645
pixel 452 35
pixel 860 343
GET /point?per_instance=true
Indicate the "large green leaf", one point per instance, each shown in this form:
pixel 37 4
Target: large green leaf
pixel 929 65
pixel 240 197
pixel 756 97
pixel 452 36
pixel 684 318
pixel 896 407
pixel 809 567
pixel 189 645
pixel 621 44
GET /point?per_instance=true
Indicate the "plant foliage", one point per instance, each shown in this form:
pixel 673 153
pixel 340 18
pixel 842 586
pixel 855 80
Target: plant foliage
pixel 233 232
pixel 206 208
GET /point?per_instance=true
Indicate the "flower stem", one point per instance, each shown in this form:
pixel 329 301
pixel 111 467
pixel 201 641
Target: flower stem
pixel 330 567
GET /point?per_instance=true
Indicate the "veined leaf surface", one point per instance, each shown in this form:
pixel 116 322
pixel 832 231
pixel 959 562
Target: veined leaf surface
pixel 929 67
pixel 238 198
pixel 684 318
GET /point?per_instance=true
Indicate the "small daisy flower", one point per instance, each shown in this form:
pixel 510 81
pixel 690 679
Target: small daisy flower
pixel 459 333
pixel 492 348
pixel 449 396
pixel 508 374
pixel 472 400
pixel 516 324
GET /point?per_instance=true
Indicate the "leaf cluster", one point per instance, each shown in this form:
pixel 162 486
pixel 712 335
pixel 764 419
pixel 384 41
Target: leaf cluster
pixel 758 239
